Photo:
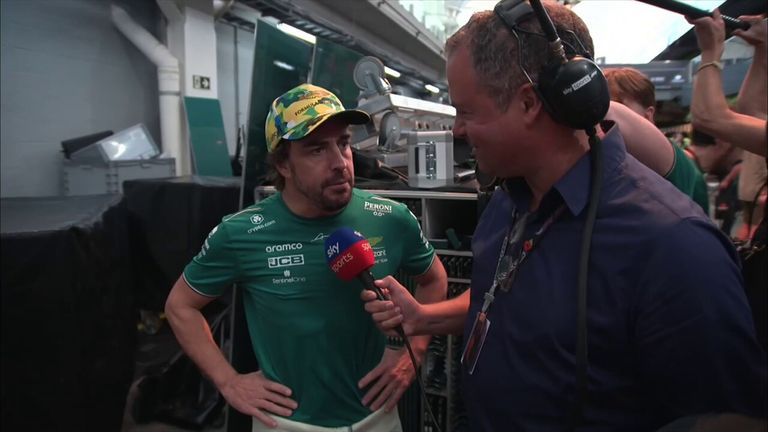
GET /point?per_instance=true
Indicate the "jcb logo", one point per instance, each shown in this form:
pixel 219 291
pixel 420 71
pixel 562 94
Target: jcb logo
pixel 285 261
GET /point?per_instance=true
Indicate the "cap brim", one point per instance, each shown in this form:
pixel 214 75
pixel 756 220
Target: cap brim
pixel 351 116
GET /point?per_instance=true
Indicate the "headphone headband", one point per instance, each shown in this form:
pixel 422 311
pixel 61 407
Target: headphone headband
pixel 574 91
pixel 511 13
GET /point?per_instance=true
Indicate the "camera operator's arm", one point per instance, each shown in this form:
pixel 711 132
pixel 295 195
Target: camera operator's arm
pixel 709 108
pixel 753 95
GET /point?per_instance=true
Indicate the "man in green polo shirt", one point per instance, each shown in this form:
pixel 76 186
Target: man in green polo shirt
pixel 629 87
pixel 323 364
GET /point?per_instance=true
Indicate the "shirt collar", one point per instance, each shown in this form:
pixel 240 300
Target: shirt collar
pixel 573 187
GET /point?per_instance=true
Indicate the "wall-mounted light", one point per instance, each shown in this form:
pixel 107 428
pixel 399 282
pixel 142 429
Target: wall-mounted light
pixel 391 72
pixel 293 31
pixel 431 88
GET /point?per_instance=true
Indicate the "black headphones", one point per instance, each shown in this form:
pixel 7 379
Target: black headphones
pixel 573 90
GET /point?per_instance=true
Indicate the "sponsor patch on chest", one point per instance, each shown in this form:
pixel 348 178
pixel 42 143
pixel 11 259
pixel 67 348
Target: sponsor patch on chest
pixel 378 209
pixel 285 261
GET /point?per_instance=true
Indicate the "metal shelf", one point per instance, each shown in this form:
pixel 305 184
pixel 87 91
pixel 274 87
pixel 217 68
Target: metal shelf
pixel 459 280
pixel 453 252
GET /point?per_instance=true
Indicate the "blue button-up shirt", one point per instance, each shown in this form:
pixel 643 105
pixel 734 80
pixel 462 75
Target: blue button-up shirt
pixel 670 330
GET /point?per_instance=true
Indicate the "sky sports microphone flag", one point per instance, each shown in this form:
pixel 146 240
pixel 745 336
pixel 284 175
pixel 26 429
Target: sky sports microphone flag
pixel 350 256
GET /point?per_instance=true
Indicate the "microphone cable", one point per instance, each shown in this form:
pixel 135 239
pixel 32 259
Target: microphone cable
pixel 407 344
pixel 582 354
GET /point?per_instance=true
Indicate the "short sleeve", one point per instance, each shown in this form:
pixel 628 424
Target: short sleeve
pixel 215 267
pixel 688 179
pixel 418 252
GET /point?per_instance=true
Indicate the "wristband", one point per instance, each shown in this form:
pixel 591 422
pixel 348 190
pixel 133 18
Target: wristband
pixel 715 63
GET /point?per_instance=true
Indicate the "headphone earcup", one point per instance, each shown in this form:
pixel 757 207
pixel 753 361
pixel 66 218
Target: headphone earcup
pixel 575 93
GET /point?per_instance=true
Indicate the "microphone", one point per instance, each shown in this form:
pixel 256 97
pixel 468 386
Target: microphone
pixel 350 256
pixel 690 11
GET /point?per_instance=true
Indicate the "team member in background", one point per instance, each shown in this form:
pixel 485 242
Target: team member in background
pixel 722 161
pixel 746 125
pixel 669 328
pixel 753 182
pixel 631 88
pixel 323 363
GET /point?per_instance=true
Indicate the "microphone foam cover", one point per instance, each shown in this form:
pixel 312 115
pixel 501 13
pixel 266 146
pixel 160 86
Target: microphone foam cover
pixel 348 253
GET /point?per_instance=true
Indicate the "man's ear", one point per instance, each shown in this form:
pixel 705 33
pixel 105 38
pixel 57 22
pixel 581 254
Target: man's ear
pixel 529 103
pixel 283 168
pixel 650 113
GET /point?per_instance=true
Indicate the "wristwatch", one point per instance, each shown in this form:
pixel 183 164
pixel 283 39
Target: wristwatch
pixel 395 342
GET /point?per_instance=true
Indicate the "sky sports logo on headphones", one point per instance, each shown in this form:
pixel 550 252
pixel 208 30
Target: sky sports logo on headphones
pixel 580 83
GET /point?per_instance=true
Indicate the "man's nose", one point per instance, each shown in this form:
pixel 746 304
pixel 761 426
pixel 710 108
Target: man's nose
pixel 336 158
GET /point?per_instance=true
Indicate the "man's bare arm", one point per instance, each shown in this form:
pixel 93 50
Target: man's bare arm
pixel 183 310
pixel 251 393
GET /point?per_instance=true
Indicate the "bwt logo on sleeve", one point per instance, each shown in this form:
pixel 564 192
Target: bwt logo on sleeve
pixel 285 261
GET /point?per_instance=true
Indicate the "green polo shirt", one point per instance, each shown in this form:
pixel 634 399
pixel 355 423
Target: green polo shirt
pixel 688 179
pixel 308 328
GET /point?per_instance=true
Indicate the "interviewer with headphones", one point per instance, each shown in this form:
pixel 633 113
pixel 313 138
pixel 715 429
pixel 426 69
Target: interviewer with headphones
pixel 601 297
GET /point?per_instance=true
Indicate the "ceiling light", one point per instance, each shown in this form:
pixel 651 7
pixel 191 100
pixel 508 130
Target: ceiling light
pixel 432 88
pixel 293 31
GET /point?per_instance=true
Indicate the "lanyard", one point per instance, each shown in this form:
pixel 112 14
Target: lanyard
pixel 504 278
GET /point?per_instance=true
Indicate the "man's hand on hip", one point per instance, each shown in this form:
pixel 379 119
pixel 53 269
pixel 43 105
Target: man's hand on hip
pixel 389 379
pixel 254 395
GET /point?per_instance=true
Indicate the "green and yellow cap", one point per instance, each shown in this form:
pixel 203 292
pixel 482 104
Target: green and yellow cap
pixel 300 110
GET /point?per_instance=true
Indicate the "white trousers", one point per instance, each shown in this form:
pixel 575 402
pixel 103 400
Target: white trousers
pixel 379 421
